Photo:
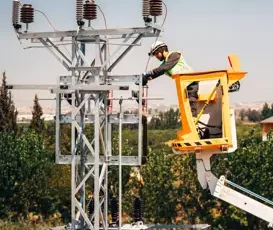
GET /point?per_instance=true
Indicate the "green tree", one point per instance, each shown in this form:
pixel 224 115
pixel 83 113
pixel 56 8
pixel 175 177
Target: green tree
pixel 23 171
pixel 271 108
pixel 266 112
pixel 155 123
pixel 166 120
pixel 37 122
pixel 8 113
pixel 172 119
pixel 242 114
pixel 158 191
pixel 29 179
pixel 253 115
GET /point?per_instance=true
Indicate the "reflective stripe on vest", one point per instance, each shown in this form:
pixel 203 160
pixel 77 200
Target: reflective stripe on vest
pixel 180 67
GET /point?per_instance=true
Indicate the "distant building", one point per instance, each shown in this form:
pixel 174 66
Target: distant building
pixel 267 127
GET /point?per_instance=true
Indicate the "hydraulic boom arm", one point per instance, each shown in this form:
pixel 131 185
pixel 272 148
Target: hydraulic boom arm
pixel 222 189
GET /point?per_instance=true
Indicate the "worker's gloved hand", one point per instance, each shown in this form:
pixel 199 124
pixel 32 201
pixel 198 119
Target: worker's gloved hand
pixel 146 76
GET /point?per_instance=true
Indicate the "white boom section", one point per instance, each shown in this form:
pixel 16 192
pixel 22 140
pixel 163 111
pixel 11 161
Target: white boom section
pixel 242 201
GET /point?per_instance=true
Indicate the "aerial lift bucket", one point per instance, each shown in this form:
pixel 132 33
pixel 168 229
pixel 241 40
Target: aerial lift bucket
pixel 211 129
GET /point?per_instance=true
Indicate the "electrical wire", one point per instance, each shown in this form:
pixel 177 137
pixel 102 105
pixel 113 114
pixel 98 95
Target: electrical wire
pixel 44 16
pixel 104 18
pixel 47 19
pixel 249 192
pixel 107 43
pixel 108 56
pixel 51 24
pixel 166 13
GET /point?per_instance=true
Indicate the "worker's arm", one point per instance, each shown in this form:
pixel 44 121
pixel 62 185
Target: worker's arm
pixel 170 63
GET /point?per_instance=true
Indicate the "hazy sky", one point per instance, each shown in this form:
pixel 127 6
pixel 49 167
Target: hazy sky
pixel 206 32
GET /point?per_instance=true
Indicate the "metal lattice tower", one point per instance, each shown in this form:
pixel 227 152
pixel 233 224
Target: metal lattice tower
pixel 86 89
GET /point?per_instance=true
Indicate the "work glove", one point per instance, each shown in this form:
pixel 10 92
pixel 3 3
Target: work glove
pixel 145 77
pixel 147 74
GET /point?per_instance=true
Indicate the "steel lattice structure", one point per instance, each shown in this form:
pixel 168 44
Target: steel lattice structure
pixel 87 88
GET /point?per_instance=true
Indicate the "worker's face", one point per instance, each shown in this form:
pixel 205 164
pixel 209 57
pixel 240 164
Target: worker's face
pixel 159 55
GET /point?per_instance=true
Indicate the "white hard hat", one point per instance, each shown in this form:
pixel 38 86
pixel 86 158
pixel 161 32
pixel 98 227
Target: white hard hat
pixel 156 45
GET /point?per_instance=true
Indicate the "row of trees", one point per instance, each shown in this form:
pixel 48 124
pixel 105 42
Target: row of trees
pixel 171 118
pixel 8 112
pixel 166 120
pixel 253 115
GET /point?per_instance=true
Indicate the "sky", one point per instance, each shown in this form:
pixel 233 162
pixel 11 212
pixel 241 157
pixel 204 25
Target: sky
pixel 205 31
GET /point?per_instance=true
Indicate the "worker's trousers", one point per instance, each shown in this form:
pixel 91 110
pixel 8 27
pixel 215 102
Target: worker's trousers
pixel 192 91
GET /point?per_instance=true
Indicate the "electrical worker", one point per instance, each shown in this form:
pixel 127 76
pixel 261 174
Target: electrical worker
pixel 172 63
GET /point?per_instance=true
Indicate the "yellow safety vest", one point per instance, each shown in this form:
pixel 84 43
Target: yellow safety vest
pixel 180 67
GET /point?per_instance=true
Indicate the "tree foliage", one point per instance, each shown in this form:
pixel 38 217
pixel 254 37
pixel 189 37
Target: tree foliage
pixel 28 178
pixel 31 182
pixel 254 115
pixel 166 120
pixel 8 113
pixel 172 194
pixel 37 122
pixel 267 111
pixel 23 171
